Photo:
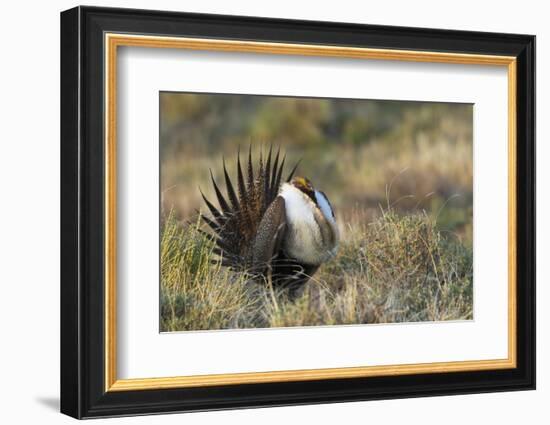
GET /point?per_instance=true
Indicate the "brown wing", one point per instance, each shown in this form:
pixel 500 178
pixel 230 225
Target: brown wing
pixel 269 258
pixel 269 235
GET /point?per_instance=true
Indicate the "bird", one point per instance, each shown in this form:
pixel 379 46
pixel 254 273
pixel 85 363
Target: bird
pixel 279 232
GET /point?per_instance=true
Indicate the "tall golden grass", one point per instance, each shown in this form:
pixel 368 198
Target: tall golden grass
pixel 399 268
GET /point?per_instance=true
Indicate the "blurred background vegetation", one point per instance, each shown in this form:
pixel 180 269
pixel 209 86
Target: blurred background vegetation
pixel 398 174
pixel 364 154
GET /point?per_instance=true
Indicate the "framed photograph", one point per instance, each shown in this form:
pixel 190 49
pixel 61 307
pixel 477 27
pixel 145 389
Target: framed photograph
pixel 261 212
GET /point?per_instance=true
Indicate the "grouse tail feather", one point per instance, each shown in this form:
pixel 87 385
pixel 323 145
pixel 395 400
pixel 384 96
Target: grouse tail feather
pixel 234 223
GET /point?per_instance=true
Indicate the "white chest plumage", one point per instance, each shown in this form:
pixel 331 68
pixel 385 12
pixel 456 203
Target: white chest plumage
pixel 312 234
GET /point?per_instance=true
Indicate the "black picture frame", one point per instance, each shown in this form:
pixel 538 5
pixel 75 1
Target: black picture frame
pixel 83 392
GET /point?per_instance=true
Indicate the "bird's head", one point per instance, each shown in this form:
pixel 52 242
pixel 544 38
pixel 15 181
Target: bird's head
pixel 304 185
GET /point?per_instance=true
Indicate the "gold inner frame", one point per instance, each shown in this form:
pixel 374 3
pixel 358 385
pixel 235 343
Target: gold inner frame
pixel 113 41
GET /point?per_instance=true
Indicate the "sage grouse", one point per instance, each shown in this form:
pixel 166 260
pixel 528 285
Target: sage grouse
pixel 279 233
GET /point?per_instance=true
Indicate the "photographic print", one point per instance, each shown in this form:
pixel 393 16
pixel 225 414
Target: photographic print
pixel 324 192
pixel 290 211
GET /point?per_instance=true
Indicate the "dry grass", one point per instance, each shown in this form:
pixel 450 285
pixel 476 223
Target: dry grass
pixel 192 293
pixel 399 268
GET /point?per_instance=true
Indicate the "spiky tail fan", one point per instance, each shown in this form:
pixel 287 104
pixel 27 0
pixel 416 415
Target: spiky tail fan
pixel 235 223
